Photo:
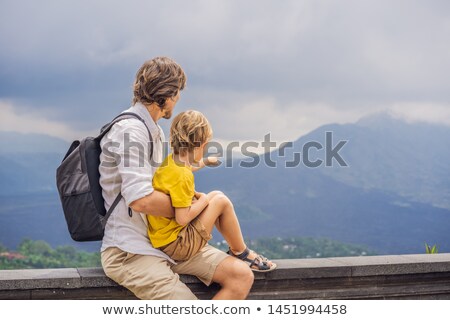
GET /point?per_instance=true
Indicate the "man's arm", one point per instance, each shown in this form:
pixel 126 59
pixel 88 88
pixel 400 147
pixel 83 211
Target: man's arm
pixel 156 204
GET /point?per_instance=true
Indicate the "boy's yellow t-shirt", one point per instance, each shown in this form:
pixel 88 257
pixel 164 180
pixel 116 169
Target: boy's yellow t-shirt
pixel 177 181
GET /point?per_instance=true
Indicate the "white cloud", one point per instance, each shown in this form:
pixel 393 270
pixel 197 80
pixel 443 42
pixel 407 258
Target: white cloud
pixel 422 112
pixel 249 116
pixel 30 121
pixel 246 118
pixel 237 116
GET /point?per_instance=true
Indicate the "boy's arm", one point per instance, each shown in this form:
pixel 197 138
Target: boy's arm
pixel 206 162
pixel 185 215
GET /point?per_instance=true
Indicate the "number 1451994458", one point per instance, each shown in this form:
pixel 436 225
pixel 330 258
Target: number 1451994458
pixel 307 309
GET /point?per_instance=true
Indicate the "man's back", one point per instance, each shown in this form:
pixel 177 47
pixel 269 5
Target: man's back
pixel 125 167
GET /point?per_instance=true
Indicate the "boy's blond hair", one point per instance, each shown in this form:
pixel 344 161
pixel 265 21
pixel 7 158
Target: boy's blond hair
pixel 190 129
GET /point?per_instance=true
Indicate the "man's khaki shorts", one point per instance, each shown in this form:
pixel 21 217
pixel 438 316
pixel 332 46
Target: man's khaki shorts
pixel 190 240
pixel 155 278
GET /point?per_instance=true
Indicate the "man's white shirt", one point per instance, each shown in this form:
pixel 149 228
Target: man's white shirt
pixel 127 169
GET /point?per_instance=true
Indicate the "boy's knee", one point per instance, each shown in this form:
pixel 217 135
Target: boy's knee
pixel 223 200
pixel 214 193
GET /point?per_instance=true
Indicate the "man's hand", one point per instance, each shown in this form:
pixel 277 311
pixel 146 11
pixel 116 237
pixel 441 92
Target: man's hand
pixel 155 204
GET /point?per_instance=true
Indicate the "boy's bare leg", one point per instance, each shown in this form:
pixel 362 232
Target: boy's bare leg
pixel 220 213
pixel 211 195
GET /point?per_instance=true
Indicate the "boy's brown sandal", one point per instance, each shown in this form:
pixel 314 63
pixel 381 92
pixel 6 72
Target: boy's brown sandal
pixel 259 264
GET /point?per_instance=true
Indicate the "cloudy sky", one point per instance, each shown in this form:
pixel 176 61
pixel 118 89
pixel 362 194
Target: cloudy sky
pixel 253 67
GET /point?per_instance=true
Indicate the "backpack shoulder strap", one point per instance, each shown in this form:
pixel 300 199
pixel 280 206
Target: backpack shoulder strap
pixel 104 130
pixel 126 115
pixel 110 210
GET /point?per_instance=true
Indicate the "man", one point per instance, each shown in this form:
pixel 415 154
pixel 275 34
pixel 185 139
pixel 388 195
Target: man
pixel 127 255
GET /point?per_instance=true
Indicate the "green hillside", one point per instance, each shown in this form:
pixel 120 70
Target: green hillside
pixel 39 254
pixel 305 247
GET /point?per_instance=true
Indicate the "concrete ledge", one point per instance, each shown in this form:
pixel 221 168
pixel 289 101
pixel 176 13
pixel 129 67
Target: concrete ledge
pixel 376 277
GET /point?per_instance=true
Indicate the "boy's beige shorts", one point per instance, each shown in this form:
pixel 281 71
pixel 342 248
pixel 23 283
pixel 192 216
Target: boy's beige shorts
pixel 155 278
pixel 191 239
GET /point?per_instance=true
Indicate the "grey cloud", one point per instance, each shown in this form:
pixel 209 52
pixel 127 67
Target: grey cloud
pixel 77 57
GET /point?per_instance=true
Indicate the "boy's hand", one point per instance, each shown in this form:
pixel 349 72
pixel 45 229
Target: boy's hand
pixel 212 161
pixel 200 196
pixel 197 195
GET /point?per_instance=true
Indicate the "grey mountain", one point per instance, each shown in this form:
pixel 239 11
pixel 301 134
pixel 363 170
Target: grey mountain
pixel 393 196
pixel 28 162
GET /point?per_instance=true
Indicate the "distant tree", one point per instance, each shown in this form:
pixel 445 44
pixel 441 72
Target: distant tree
pixel 39 254
pixel 303 247
pixel 67 253
pixel 38 247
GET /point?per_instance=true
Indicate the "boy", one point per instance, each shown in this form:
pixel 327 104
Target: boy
pixel 183 236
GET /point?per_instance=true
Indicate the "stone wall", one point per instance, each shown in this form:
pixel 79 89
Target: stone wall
pixel 376 277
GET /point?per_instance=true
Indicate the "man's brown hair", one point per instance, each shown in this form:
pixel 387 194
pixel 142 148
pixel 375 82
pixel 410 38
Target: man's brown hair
pixel 157 80
pixel 189 129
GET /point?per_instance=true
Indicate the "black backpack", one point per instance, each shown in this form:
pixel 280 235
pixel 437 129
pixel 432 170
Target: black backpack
pixel 77 179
